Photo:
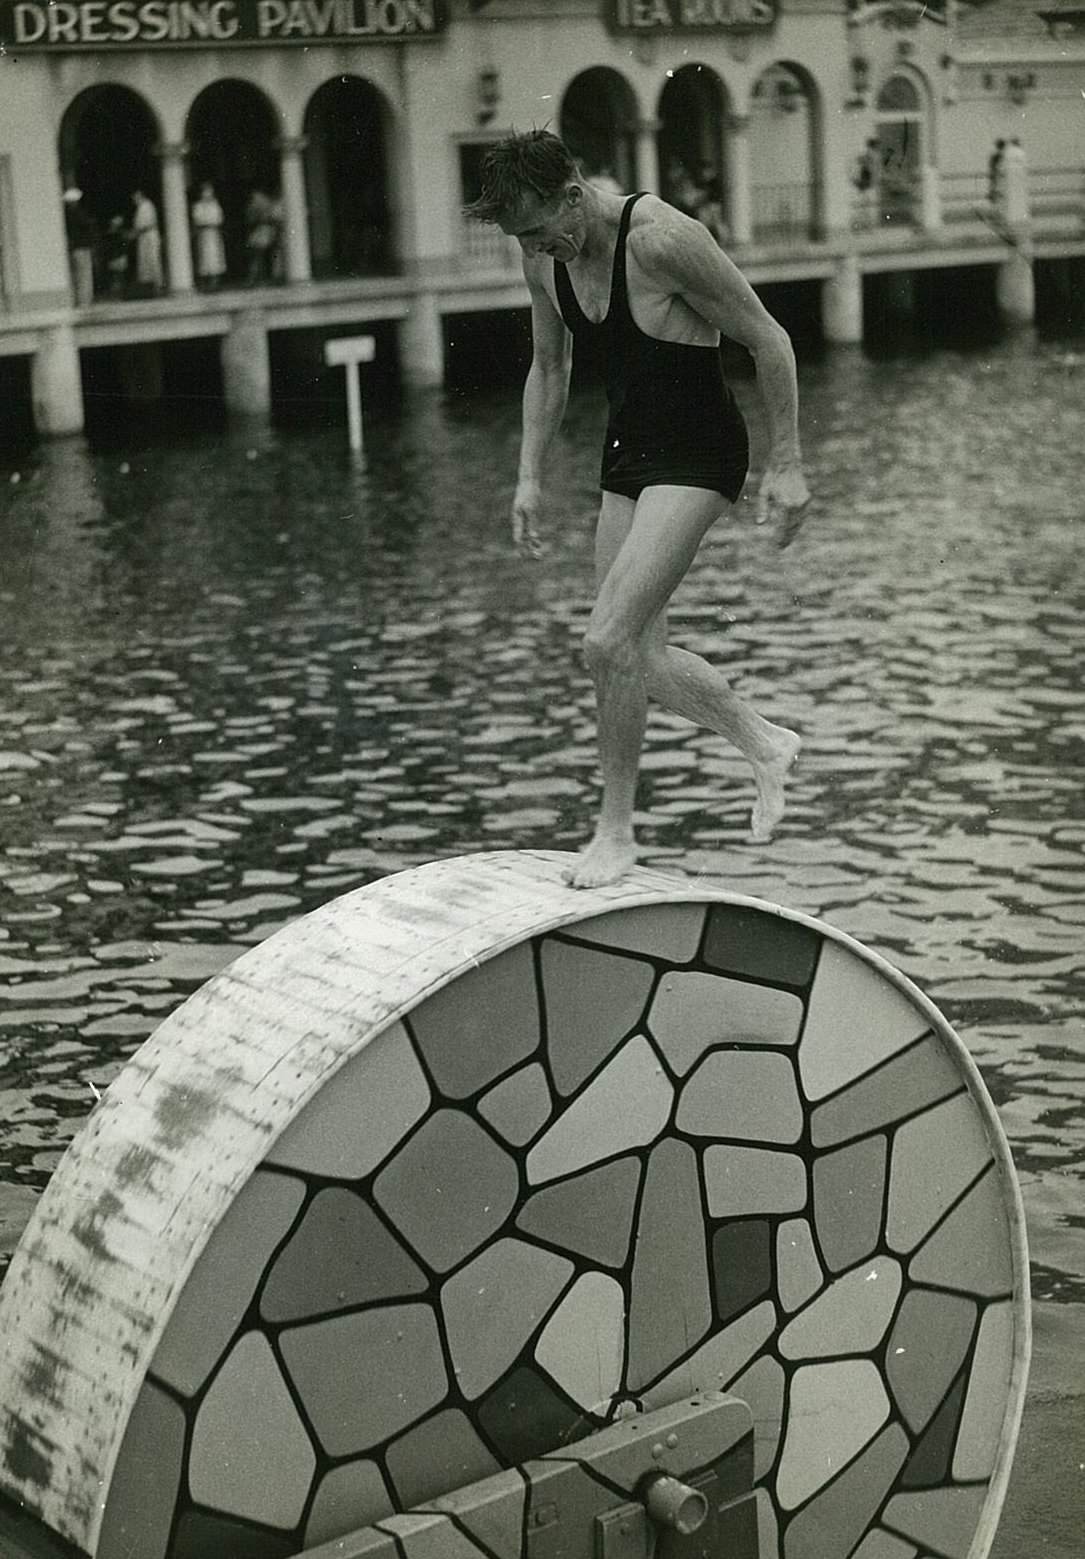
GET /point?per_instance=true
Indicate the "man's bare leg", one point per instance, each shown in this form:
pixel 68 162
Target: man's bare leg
pixel 690 687
pixel 682 682
pixel 642 553
pixel 621 704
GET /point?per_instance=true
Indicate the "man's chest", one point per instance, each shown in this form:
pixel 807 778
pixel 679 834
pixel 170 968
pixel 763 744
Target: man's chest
pixel 654 310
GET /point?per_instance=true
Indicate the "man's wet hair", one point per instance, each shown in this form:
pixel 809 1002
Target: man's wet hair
pixel 534 163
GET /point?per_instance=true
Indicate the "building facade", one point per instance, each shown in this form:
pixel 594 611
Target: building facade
pixel 229 168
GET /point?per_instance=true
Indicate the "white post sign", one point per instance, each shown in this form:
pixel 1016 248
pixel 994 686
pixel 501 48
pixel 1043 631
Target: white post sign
pixel 350 351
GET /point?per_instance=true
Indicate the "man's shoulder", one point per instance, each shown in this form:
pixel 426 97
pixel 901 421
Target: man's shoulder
pixel 662 240
pixel 653 221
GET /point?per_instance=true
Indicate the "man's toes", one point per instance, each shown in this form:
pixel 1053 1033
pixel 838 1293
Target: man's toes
pixel 599 865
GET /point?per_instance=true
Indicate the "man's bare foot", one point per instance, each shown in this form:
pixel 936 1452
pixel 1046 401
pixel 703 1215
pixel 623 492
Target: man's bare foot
pixel 769 776
pixel 606 858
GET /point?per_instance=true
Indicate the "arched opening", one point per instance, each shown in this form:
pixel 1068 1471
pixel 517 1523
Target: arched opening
pixel 232 134
pixel 783 171
pixel 900 152
pixel 106 147
pixel 692 119
pixel 346 173
pixel 599 125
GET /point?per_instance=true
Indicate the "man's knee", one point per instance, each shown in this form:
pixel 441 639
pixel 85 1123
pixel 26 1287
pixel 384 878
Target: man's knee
pixel 609 650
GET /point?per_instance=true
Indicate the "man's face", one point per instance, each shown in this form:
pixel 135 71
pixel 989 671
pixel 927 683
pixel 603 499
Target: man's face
pixel 554 227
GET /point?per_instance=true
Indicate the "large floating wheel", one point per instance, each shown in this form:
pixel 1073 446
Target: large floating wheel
pixel 466 1164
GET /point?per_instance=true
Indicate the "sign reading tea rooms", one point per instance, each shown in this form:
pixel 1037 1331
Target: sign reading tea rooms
pixel 647 16
pixel 59 25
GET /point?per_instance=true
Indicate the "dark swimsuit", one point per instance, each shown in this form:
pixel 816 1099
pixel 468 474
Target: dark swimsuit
pixel 673 418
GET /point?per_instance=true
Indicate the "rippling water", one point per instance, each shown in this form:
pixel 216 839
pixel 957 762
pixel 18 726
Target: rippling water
pixel 238 678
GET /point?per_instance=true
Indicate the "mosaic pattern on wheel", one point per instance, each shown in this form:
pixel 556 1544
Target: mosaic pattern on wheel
pixel 672 1148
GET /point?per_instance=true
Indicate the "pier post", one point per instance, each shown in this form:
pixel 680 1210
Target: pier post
pixel 421 343
pixel 842 303
pixel 296 257
pixel 246 365
pixel 740 208
pixel 175 217
pixel 1015 287
pixel 57 385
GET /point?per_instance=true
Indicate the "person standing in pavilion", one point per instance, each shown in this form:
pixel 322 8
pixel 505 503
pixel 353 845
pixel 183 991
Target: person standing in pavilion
pixel 207 221
pixel 147 244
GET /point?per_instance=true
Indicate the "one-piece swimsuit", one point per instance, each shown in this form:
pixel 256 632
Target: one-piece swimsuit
pixel 672 416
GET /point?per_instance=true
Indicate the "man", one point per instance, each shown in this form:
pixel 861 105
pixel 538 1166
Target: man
pixel 207 223
pixel 147 242
pixel 82 235
pixel 261 233
pixel 866 182
pixel 994 172
pixel 658 289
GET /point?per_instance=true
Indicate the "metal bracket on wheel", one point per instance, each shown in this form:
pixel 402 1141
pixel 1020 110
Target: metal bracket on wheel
pixel 676 1483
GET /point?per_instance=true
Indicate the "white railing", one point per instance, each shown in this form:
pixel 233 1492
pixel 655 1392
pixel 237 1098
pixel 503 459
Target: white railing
pixel 1054 195
pixel 893 202
pixel 1057 193
pixel 782 213
pixel 484 247
pixel 966 197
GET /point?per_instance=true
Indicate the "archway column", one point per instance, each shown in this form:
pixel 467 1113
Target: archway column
pixel 646 156
pixel 172 155
pixel 737 157
pixel 296 257
pixel 930 198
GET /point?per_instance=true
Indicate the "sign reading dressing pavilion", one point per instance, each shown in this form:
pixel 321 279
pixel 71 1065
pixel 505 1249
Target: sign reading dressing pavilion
pixel 177 24
pixel 646 16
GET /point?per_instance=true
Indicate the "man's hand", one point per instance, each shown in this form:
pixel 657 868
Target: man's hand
pixel 783 499
pixel 526 504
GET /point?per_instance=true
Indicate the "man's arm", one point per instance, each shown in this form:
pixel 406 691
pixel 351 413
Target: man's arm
pixel 683 259
pixel 546 391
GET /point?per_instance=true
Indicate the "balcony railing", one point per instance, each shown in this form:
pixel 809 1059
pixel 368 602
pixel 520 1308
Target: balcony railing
pixel 966 197
pixel 782 213
pixel 900 200
pixel 1057 193
pixel 484 247
pixel 1055 196
pixel 896 200
pixel 786 214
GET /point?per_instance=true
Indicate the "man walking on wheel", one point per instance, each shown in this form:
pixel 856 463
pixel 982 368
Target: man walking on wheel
pixel 654 285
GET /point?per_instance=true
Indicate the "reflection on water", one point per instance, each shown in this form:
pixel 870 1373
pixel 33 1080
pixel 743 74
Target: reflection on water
pixel 241 677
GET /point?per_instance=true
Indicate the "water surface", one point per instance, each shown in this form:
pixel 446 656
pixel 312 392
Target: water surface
pixel 239 676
